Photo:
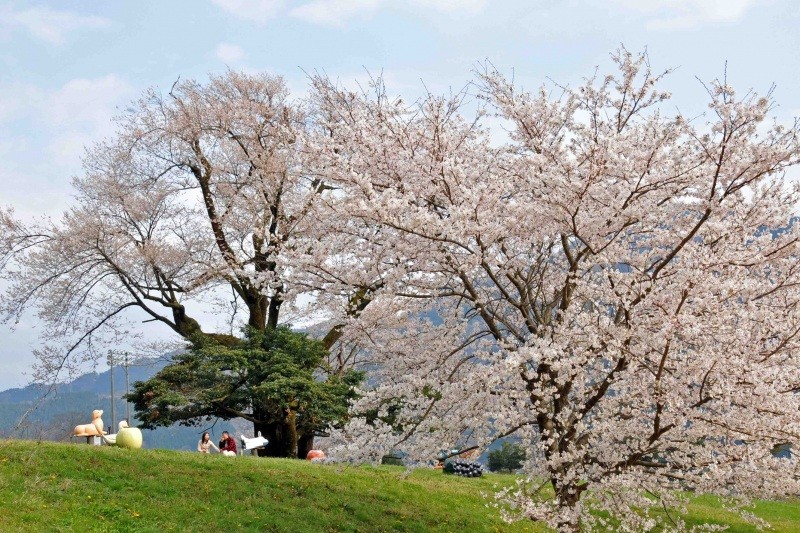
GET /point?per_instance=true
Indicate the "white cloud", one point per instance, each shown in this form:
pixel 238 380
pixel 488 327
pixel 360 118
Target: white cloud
pixel 66 119
pixel 43 133
pixel 14 98
pixel 259 11
pixel 454 7
pixel 48 24
pixel 338 12
pixel 686 14
pixel 81 113
pixel 335 12
pixel 229 53
pixel 89 103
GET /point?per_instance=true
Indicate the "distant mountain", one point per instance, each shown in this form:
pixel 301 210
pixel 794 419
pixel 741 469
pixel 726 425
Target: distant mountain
pixel 90 382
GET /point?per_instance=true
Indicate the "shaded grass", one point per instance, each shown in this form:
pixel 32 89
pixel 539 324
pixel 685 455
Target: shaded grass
pixel 62 487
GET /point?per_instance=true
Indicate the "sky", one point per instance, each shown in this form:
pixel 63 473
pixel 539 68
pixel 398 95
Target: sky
pixel 68 67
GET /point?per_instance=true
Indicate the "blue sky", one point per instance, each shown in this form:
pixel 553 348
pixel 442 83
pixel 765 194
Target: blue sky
pixel 67 67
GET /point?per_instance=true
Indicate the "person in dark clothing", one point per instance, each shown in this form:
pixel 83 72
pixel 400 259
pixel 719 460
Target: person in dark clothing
pixel 227 446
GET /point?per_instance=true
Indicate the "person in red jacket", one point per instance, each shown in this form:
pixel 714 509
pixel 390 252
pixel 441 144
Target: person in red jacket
pixel 227 446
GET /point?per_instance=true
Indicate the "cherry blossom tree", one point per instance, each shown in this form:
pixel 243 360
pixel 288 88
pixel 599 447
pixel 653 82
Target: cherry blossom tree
pixel 616 286
pixel 191 203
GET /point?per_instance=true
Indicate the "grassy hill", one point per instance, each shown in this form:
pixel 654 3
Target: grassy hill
pixel 63 487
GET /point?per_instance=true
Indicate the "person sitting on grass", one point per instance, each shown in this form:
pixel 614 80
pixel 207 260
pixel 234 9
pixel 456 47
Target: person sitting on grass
pixel 205 444
pixel 227 446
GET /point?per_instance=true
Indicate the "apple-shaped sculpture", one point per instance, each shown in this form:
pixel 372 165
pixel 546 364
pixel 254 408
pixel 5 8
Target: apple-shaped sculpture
pixel 130 438
pixel 315 455
pixel 111 440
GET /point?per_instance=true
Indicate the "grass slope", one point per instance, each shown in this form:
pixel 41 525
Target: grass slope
pixel 61 487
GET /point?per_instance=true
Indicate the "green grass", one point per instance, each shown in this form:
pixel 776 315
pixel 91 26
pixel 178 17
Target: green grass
pixel 61 487
pixel 783 516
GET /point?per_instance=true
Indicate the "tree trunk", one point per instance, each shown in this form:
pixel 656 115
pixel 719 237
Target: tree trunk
pixel 291 423
pixel 257 310
pixel 568 497
pixel 275 435
pixel 185 325
pixel 274 310
pixel 281 441
pixel 305 443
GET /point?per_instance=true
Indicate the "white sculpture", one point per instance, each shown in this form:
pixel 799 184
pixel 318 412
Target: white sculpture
pixel 254 443
pixel 94 429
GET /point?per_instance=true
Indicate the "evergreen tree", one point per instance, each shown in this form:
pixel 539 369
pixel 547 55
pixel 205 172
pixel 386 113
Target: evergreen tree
pixel 509 457
pixel 273 378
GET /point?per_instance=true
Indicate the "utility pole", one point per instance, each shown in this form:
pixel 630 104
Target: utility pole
pixel 111 366
pixel 127 391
